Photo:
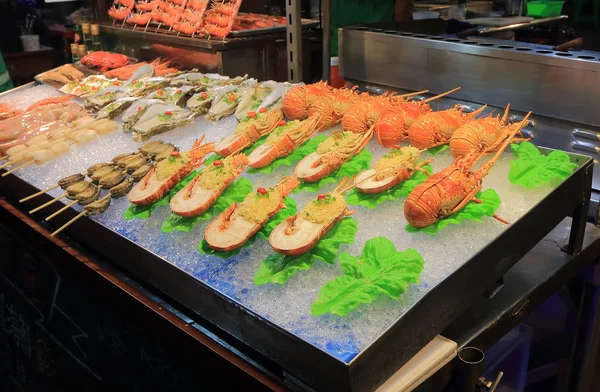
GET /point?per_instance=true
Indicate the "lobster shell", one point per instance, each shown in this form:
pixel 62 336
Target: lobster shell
pixel 390 127
pixel 298 99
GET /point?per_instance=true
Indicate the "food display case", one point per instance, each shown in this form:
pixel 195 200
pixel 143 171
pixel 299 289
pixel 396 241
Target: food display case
pixel 257 47
pixel 268 305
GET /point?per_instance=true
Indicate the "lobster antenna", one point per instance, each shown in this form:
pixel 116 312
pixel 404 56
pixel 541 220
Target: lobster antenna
pixel 441 95
pixel 477 112
pixel 486 167
pixel 505 117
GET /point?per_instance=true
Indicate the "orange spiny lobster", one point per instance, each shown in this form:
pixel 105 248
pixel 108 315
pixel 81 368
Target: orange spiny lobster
pixel 332 106
pixel 436 128
pixel 449 190
pixel 298 99
pixel 480 134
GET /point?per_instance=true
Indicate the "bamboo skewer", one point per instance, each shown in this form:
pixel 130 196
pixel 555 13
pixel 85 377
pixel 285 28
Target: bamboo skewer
pixel 441 95
pixel 57 198
pixel 71 204
pixel 412 94
pixel 14 169
pixel 38 193
pixel 5 164
pixel 82 213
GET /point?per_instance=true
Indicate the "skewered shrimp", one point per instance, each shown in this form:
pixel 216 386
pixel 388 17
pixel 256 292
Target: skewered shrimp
pixel 119 14
pixel 147 7
pixel 125 3
pixel 186 28
pixel 139 19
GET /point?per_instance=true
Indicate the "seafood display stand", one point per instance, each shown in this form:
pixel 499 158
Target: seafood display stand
pixel 262 55
pixel 337 360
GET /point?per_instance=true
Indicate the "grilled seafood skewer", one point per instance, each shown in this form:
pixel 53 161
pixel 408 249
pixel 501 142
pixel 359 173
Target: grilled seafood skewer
pixel 236 225
pixel 201 193
pixel 302 232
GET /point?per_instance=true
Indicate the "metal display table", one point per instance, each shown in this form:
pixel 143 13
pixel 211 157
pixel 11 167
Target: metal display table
pixel 224 362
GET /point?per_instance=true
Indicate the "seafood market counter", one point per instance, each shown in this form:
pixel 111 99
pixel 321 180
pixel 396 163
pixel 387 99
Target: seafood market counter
pixel 267 331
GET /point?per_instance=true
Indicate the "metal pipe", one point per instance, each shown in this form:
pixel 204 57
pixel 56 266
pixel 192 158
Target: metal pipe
pixel 326 24
pixel 467 369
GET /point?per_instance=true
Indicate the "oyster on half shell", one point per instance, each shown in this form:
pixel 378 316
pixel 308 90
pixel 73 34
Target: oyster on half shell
pixel 159 118
pixel 104 97
pixel 228 98
pixel 176 95
pixel 144 86
pixel 135 111
pixel 200 102
pixel 253 100
pixel 208 80
pixel 114 109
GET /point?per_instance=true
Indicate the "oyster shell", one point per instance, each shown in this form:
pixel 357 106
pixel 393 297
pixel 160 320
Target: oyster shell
pixel 227 100
pixel 141 172
pixel 253 100
pixel 70 180
pixel 174 95
pixel 145 86
pixel 115 108
pixel 122 189
pixel 208 80
pixel 98 206
pixel 159 118
pixel 145 71
pixel 200 102
pixel 135 111
pixel 275 97
pixel 104 97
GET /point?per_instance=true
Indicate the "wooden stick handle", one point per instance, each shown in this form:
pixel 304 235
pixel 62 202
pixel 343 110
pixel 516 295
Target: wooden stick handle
pixel 14 169
pixel 62 209
pixel 441 95
pixel 48 203
pixel 412 94
pixel 82 213
pixel 38 193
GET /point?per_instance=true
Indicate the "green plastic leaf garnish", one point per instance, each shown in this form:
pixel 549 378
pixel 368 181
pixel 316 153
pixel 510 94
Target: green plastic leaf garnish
pixel 490 201
pixel 372 200
pixel 233 194
pixel 355 165
pixel 144 212
pixel 264 232
pixel 532 169
pixel 380 270
pixel 438 149
pixel 307 148
pixel 278 268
